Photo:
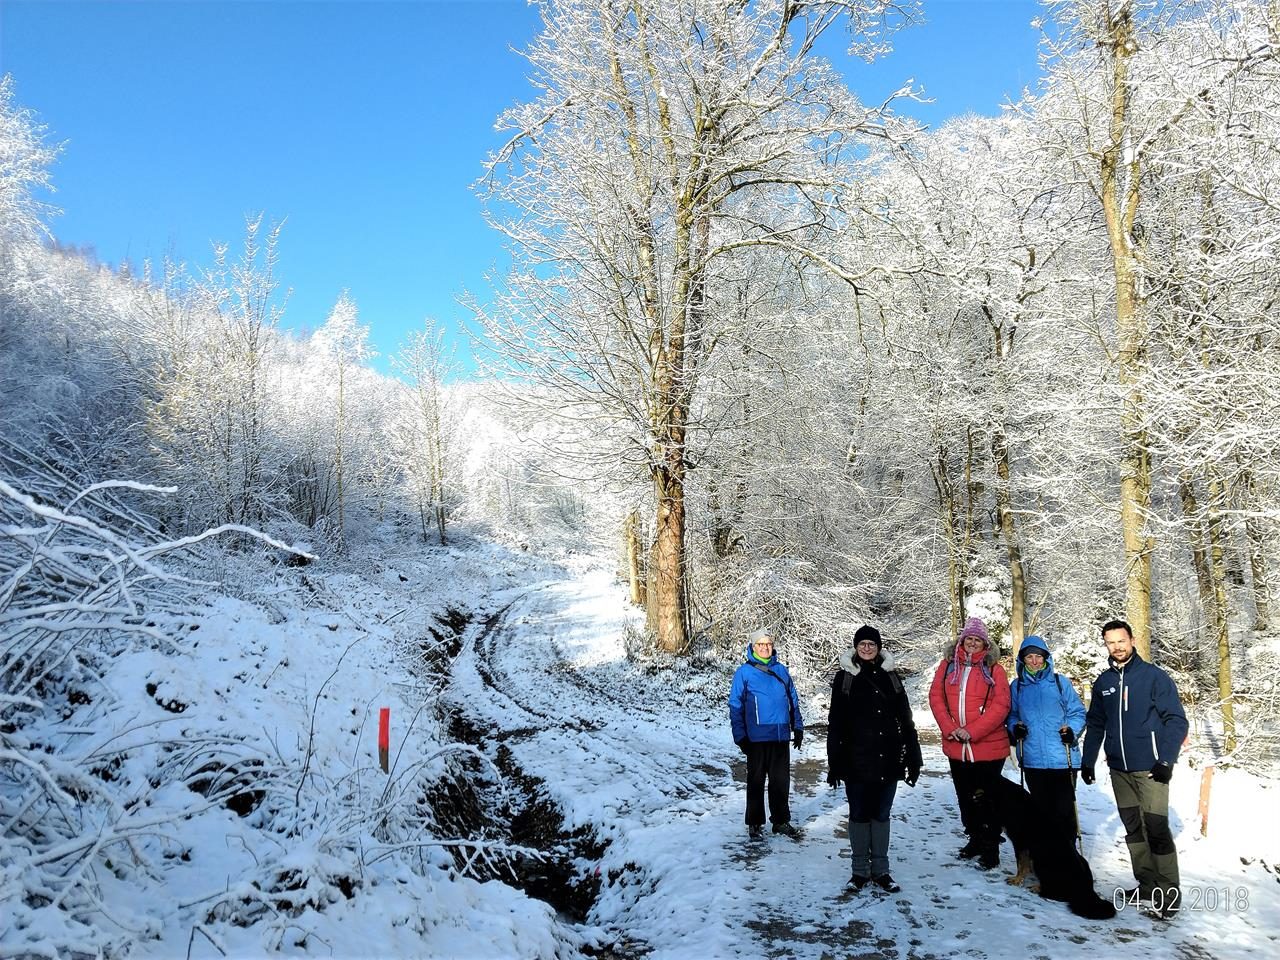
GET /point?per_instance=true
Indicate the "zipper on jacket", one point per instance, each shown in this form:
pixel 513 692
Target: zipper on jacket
pixel 961 703
pixel 1124 706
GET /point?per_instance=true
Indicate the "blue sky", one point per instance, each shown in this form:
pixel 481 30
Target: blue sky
pixel 362 123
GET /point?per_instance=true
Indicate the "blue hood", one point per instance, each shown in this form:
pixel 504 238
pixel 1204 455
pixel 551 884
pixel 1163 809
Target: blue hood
pixel 1030 644
pixel 1044 703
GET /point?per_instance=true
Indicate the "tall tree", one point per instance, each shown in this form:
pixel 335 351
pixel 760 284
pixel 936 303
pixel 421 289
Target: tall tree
pixel 1115 102
pixel 425 364
pixel 669 142
pixel 345 343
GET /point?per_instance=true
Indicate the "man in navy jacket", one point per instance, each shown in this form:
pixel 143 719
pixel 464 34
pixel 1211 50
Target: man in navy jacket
pixel 765 715
pixel 1136 714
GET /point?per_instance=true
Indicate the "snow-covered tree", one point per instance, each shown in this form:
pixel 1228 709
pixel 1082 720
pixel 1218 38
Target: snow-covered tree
pixel 670 143
pixel 344 343
pixel 426 365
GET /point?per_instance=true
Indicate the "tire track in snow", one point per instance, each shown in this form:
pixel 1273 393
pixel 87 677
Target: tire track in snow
pixel 530 683
pixel 622 752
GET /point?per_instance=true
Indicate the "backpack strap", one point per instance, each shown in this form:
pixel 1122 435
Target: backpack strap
pixel 786 686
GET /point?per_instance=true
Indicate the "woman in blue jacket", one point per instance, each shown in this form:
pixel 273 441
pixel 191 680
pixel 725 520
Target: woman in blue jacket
pixel 1046 719
pixel 765 715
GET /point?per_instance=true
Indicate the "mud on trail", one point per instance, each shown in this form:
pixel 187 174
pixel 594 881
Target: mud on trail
pixel 467 802
pixel 622 777
pixel 495 702
pixel 528 689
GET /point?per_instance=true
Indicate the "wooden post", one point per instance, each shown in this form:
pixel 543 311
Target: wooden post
pixel 384 739
pixel 1206 781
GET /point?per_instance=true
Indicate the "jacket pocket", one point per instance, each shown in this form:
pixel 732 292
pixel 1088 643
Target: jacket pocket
pixel 1155 751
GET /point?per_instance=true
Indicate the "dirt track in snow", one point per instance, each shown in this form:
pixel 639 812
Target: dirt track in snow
pixel 647 768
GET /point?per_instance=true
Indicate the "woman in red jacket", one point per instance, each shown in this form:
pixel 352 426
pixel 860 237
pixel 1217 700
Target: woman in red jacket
pixel 970 701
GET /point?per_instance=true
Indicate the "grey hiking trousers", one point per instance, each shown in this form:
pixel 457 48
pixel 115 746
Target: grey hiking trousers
pixel 1143 805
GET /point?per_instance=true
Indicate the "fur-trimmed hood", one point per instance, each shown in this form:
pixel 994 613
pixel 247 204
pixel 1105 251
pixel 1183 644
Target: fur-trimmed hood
pixel 850 663
pixel 954 648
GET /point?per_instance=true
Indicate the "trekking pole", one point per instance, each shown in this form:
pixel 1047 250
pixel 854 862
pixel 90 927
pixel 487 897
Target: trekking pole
pixel 1075 807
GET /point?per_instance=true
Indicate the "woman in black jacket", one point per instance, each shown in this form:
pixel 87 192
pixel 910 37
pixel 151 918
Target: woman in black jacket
pixel 871 745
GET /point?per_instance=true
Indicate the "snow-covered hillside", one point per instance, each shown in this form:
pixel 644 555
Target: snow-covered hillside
pixel 548 796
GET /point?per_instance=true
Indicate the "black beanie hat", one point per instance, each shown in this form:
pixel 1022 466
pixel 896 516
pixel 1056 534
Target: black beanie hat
pixel 868 633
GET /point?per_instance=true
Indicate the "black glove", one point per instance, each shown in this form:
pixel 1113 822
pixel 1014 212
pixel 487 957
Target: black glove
pixel 913 774
pixel 1086 774
pixel 743 746
pixel 797 738
pixel 1068 736
pixel 1162 772
pixel 833 778
pixel 1019 731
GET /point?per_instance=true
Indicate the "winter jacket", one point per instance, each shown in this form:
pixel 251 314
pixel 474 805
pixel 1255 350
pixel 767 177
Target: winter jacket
pixel 1135 712
pixel 763 706
pixel 974 694
pixel 1045 703
pixel 871 737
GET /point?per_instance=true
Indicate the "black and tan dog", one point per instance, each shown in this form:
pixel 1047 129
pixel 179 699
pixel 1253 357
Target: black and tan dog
pixel 1063 874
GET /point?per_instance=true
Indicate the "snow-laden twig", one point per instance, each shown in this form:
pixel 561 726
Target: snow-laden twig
pixel 170 545
pixel 79 581
pixel 491 846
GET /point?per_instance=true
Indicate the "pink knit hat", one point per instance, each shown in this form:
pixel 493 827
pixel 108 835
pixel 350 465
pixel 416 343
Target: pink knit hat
pixel 974 627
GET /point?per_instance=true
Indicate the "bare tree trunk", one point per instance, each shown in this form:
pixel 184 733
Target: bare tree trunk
pixel 1199 557
pixel 1120 180
pixel 957 560
pixel 972 493
pixel 635 565
pixel 666 596
pixel 1257 555
pixel 1218 573
pixel 437 445
pixel 1012 543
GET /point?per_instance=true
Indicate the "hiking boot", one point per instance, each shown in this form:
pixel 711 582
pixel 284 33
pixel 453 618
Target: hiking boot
pixel 989 858
pixel 887 883
pixel 969 850
pixel 756 831
pixel 1162 904
pixel 857 882
pixel 1168 912
pixel 787 830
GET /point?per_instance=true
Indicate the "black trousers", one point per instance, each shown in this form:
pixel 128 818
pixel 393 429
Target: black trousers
pixel 976 792
pixel 772 762
pixel 1054 794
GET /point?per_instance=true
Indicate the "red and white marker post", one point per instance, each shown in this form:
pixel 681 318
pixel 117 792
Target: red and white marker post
pixel 384 739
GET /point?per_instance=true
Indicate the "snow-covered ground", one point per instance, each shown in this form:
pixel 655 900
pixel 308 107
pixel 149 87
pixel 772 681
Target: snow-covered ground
pixel 515 670
pixel 646 758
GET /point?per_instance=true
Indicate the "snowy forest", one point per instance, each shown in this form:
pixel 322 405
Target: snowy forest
pixel 767 355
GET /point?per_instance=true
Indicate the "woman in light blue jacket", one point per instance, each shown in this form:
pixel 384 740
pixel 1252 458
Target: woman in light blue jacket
pixel 1046 719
